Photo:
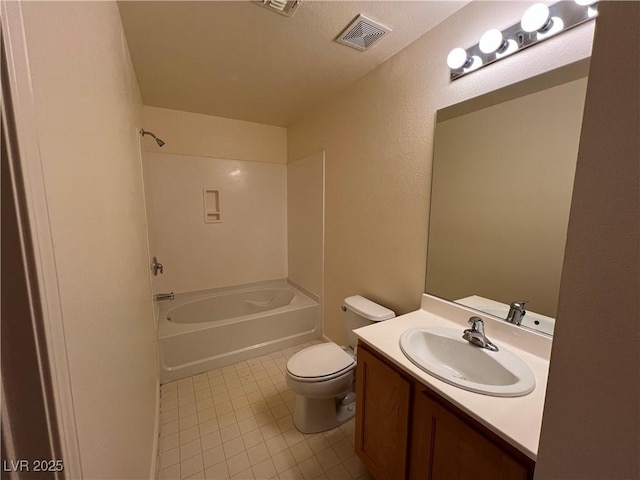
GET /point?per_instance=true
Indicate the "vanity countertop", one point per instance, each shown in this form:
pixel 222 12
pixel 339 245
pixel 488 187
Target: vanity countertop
pixel 515 419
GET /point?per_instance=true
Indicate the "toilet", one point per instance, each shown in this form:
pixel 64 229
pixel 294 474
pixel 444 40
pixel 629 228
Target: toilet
pixel 322 376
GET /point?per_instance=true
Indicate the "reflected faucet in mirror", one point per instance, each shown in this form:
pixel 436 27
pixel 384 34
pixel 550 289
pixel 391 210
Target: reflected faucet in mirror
pixel 516 312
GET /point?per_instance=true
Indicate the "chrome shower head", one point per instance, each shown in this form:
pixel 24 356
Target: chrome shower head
pixel 144 132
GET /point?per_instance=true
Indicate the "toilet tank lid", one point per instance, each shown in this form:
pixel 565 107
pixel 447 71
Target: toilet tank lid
pixel 368 309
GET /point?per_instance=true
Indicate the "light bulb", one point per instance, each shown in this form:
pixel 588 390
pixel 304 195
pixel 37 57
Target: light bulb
pixel 457 58
pixel 491 41
pixel 512 46
pixel 535 18
pixel 473 63
pixel 556 26
pixel 586 3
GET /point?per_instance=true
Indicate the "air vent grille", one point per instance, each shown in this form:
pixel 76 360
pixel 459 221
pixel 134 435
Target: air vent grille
pixel 283 7
pixel 362 33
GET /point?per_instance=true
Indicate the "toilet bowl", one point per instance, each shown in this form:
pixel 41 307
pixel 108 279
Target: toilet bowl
pixel 322 376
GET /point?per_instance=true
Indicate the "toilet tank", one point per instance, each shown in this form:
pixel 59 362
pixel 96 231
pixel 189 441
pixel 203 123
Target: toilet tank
pixel 360 312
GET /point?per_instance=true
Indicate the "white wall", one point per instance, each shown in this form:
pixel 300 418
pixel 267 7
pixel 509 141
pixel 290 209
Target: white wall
pixel 378 141
pixel 305 221
pixel 87 108
pixel 188 133
pixel 249 245
pixel 591 424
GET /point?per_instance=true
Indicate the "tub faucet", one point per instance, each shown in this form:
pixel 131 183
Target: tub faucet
pixel 476 335
pixel 164 296
pixel 516 312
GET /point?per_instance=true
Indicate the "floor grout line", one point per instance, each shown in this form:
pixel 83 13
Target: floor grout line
pixel 236 422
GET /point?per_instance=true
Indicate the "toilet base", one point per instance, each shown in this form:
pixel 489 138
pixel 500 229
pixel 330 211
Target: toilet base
pixel 313 415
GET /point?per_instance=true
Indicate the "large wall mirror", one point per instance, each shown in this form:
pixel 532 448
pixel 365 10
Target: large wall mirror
pixel 503 172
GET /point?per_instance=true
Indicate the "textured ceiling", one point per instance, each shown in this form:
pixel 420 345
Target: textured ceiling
pixel 238 60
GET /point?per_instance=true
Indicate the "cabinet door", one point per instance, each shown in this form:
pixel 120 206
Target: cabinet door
pixel 445 447
pixel 382 417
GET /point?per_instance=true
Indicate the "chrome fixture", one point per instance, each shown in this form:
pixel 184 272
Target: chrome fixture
pixel 538 23
pixel 516 312
pixel 144 132
pixel 156 267
pixel 164 296
pixel 476 335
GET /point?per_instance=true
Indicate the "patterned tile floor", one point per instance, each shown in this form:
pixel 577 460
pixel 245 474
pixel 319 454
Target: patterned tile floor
pixel 236 423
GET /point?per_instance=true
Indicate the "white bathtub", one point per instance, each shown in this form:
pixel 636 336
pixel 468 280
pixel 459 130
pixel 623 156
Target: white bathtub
pixel 200 331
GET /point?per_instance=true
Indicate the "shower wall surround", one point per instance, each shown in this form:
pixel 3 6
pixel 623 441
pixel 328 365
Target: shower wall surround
pixel 246 163
pixel 248 245
pixel 305 222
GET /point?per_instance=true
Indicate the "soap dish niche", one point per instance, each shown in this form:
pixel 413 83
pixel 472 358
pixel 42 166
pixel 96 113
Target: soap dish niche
pixel 212 205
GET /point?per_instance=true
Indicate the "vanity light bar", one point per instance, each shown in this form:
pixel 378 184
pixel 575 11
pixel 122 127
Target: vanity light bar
pixel 538 23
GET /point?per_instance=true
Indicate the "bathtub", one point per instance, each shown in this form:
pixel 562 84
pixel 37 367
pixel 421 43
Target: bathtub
pixel 200 331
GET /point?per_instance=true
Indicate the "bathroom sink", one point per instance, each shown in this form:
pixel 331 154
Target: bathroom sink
pixel 443 353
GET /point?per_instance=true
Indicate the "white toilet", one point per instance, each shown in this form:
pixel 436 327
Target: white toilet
pixel 322 376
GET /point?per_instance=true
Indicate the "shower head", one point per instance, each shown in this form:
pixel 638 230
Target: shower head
pixel 144 132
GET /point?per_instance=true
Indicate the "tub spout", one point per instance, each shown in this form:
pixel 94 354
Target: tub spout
pixel 164 296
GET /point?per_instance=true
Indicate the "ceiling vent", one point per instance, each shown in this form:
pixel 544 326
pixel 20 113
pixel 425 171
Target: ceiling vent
pixel 283 7
pixel 362 33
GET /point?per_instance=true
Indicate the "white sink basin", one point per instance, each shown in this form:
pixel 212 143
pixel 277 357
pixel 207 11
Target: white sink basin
pixel 443 353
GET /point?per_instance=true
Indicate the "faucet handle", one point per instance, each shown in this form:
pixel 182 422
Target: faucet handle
pixel 156 267
pixel 477 324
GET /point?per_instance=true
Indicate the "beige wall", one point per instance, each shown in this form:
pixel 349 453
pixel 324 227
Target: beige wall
pixel 305 221
pixel 249 245
pixel 500 198
pixel 207 136
pixel 378 141
pixel 591 424
pixel 88 108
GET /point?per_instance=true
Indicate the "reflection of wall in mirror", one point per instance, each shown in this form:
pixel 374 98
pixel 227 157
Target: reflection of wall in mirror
pixel 503 178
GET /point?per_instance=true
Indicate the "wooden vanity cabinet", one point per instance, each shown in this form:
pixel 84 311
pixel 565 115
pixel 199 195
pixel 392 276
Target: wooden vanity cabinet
pixel 383 400
pixel 404 430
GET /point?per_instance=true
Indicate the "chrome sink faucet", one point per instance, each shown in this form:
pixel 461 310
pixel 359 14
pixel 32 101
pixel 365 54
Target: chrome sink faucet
pixel 476 335
pixel 516 312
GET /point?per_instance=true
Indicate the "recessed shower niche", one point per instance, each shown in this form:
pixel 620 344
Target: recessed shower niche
pixel 212 205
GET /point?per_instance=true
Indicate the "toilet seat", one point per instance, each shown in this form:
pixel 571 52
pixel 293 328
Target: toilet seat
pixel 320 363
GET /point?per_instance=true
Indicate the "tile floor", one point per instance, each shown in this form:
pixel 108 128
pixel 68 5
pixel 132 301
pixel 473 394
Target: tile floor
pixel 236 423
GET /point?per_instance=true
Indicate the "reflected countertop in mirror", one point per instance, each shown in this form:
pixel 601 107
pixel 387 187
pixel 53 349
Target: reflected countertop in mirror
pixel 503 172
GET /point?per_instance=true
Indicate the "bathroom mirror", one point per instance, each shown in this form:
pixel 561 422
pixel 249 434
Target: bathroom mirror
pixel 503 172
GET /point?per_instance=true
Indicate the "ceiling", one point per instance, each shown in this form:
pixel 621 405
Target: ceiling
pixel 237 59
